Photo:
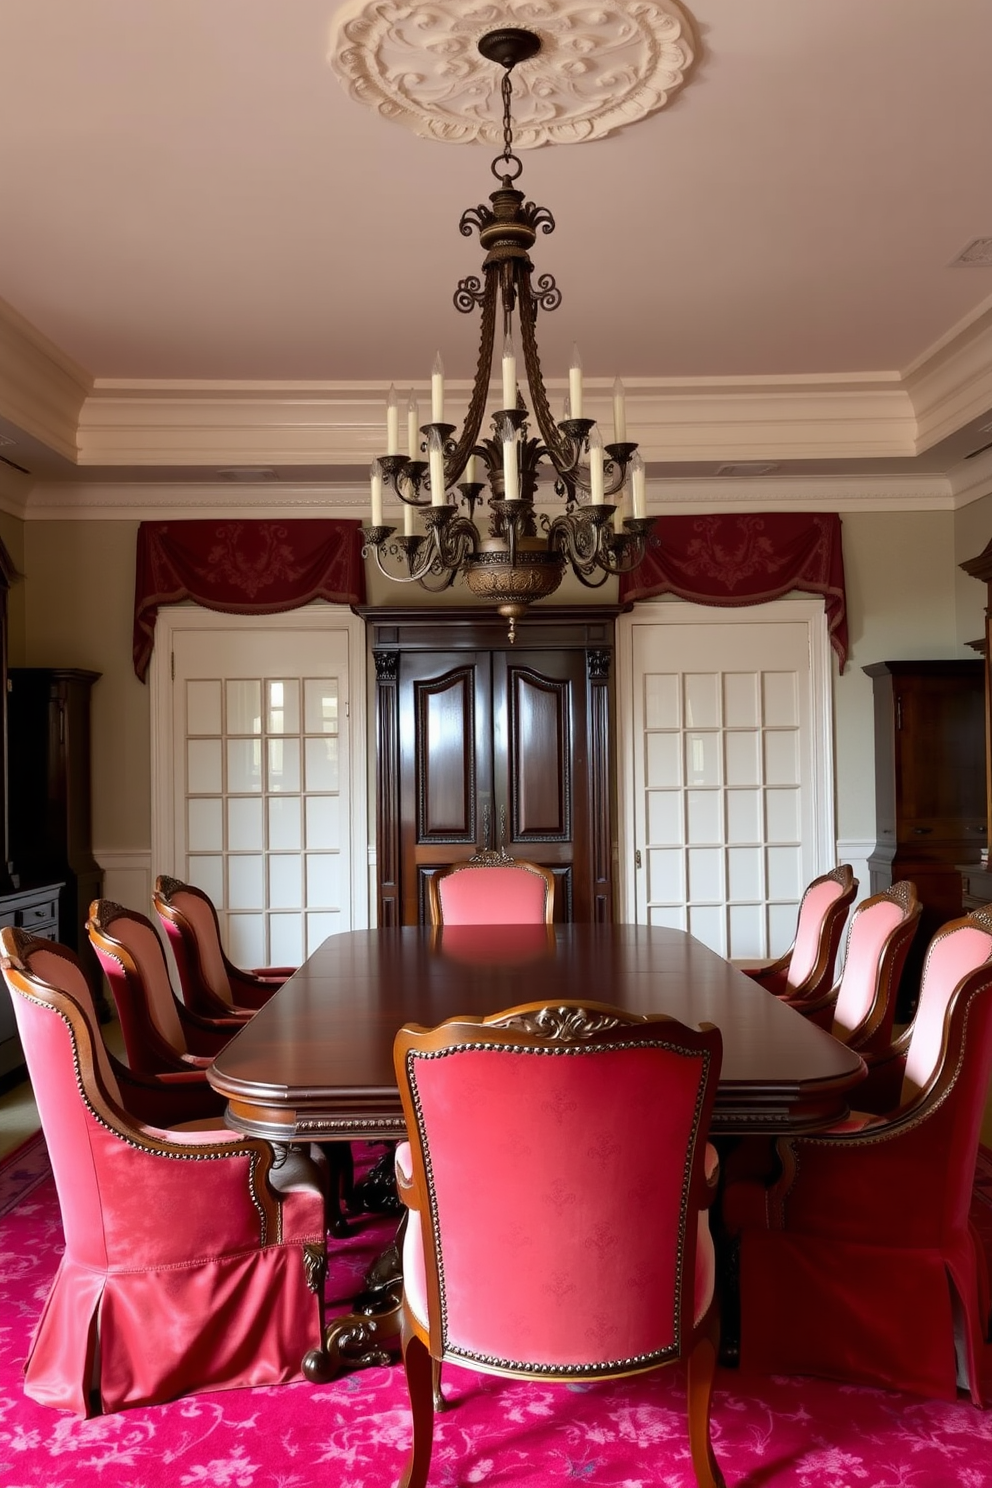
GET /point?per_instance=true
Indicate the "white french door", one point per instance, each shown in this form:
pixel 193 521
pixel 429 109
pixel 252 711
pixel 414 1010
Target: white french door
pixel 260 774
pixel 726 769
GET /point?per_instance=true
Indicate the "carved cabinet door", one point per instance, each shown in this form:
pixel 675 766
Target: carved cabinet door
pixel 494 747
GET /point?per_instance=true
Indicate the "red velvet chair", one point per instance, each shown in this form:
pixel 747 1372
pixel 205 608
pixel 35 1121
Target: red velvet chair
pixel 510 892
pixel 859 1262
pixel 806 971
pixel 860 1008
pixel 211 984
pixel 183 1268
pixel 557 1228
pixel 160 1032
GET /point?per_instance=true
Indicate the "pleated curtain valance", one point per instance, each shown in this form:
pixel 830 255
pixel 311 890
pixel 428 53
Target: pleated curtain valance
pixel 746 559
pixel 244 567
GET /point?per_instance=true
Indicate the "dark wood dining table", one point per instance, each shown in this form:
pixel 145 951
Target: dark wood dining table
pixel 316 1063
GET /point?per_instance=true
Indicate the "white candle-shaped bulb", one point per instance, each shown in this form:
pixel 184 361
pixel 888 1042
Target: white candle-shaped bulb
pixel 566 409
pixel 409 514
pixel 575 384
pixel 470 464
pixel 596 481
pixel 638 492
pixel 509 373
pixel 392 423
pixel 437 391
pixel 435 457
pixel 619 413
pixel 412 428
pixel 511 483
pixel 376 494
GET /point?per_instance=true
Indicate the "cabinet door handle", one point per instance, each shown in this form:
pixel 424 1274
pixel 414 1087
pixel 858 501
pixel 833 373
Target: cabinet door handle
pixel 922 831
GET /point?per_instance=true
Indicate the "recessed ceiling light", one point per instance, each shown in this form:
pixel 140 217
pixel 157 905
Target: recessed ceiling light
pixel 746 467
pixel 977 255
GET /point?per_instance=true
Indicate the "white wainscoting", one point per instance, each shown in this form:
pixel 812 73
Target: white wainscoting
pixel 127 878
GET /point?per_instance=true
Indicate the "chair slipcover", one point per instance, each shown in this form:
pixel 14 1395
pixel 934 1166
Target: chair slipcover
pixel 558 1179
pixel 860 1008
pixel 160 1033
pixel 859 1262
pixel 183 1269
pixel 807 968
pixel 500 893
pixel 211 984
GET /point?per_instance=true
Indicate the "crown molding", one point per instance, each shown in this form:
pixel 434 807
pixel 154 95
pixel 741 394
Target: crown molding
pixel 188 423
pixel 42 391
pixel 951 384
pixel 137 502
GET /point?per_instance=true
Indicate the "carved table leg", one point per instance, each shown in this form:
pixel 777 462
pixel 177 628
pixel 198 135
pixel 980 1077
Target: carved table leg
pixel 356 1340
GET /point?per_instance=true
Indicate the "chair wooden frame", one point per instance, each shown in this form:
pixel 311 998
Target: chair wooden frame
pixel 575 1030
pixel 873 1032
pixel 249 990
pixel 149 1048
pixel 775 976
pixel 483 864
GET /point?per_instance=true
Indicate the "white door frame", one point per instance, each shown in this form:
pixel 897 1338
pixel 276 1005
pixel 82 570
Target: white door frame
pixel 318 616
pixel 669 610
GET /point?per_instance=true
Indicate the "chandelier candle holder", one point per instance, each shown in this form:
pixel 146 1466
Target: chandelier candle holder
pixel 603 528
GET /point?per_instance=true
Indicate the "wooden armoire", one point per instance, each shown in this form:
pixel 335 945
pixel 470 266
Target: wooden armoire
pixel 930 803
pixel 481 743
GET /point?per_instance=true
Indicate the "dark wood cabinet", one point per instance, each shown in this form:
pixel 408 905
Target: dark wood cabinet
pixel 50 834
pixel 930 799
pixel 36 910
pixel 481 743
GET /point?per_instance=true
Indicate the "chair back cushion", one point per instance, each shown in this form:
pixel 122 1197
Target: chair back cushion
pixel 956 950
pixel 564 1186
pixel 510 895
pixel 138 936
pixel 866 944
pixel 208 954
pixel 813 913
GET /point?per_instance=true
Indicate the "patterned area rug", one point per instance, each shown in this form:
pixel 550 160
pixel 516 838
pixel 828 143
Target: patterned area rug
pixel 354 1433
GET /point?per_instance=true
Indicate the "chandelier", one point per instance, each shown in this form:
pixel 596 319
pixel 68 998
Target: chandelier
pixel 602 530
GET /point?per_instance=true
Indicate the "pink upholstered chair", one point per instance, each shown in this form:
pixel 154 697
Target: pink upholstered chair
pixel 859 1262
pixel 582 1249
pixel 160 1032
pixel 806 970
pixel 860 1007
pixel 211 984
pixel 501 893
pixel 183 1268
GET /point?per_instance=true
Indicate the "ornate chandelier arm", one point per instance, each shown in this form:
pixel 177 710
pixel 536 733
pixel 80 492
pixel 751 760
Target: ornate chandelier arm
pixel 564 454
pixel 464 299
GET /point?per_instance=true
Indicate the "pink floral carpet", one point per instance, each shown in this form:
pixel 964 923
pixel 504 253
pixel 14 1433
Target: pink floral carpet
pixel 768 1433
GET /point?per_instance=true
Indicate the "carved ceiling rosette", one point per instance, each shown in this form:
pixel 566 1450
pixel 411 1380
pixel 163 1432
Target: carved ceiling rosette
pixel 600 68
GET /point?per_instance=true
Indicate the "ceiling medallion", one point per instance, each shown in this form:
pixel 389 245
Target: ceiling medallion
pixel 599 68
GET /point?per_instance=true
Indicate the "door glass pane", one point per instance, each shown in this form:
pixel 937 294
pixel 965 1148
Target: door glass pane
pixel 244 765
pixel 203 707
pixel 284 823
pixel 246 889
pixel 284 764
pixel 203 771
pixel 207 873
pixel 323 821
pixel 285 881
pixel 283 706
pixel 321 705
pixel 322 764
pixel 244 824
pixel 205 825
pixel 244 706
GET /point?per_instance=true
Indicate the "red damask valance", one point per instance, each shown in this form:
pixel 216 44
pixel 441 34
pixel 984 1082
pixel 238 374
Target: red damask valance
pixel 746 559
pixel 243 568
